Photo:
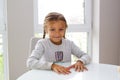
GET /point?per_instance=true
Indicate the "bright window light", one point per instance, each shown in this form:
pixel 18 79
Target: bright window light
pixel 73 14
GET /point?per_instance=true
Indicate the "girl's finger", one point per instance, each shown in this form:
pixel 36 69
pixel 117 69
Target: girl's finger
pixel 82 68
pixel 85 68
pixel 76 67
pixel 69 67
pixel 57 71
pixel 64 71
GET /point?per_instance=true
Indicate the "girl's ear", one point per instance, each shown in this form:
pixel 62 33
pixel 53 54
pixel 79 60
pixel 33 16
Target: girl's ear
pixel 46 31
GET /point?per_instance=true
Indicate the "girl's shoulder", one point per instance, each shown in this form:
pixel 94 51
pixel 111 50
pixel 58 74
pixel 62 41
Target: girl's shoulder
pixel 42 40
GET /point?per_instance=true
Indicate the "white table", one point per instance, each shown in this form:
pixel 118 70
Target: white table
pixel 95 72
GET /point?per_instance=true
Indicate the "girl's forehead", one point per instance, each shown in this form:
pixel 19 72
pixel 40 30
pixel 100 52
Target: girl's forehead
pixel 59 23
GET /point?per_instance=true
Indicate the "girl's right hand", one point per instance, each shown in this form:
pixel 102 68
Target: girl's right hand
pixel 60 69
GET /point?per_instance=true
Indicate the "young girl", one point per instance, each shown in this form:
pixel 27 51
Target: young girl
pixel 56 48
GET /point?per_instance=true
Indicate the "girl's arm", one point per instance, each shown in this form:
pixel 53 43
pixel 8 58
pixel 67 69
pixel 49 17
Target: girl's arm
pixel 36 60
pixel 85 58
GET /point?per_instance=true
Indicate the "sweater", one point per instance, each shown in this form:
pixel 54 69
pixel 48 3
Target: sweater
pixel 46 53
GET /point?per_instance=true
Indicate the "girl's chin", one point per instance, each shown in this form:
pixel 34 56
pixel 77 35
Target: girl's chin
pixel 57 41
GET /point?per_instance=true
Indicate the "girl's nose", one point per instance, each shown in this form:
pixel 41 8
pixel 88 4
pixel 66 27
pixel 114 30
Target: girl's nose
pixel 57 33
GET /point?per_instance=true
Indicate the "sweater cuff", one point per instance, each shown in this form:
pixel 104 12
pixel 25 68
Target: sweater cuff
pixel 50 65
pixel 82 61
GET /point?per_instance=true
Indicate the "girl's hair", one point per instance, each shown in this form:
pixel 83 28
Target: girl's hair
pixel 53 16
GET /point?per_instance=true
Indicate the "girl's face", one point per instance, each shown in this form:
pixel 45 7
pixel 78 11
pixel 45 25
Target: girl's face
pixel 56 31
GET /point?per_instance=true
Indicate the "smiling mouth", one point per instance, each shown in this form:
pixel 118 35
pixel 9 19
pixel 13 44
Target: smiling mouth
pixel 57 37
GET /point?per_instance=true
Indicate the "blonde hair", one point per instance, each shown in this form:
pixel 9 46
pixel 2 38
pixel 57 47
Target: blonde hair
pixel 53 16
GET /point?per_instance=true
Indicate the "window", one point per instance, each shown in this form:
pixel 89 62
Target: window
pixel 64 7
pixel 3 64
pixel 1 42
pixel 1 58
pixel 77 14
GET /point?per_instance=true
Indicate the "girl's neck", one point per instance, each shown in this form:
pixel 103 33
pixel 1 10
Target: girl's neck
pixel 56 43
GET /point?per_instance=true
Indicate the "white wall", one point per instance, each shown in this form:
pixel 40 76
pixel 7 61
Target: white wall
pixel 20 30
pixel 109 31
pixel 107 26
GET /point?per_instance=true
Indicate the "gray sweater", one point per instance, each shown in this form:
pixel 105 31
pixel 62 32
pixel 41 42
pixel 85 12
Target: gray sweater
pixel 46 53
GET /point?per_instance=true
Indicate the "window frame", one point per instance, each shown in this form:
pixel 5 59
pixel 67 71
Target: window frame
pixel 3 31
pixel 86 27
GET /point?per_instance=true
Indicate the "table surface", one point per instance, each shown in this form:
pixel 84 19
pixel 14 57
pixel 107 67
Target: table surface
pixel 95 72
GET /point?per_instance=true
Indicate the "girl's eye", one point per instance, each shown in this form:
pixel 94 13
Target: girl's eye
pixel 61 29
pixel 52 29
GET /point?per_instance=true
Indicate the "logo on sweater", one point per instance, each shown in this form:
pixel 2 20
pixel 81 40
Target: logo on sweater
pixel 59 55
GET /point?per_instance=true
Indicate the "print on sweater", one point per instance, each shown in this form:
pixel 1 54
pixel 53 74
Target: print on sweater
pixel 59 55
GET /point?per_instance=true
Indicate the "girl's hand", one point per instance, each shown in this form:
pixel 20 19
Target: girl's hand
pixel 79 66
pixel 60 69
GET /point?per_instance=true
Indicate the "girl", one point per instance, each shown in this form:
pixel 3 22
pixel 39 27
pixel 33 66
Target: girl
pixel 49 51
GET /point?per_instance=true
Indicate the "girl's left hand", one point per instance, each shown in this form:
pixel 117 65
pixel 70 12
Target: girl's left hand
pixel 79 66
